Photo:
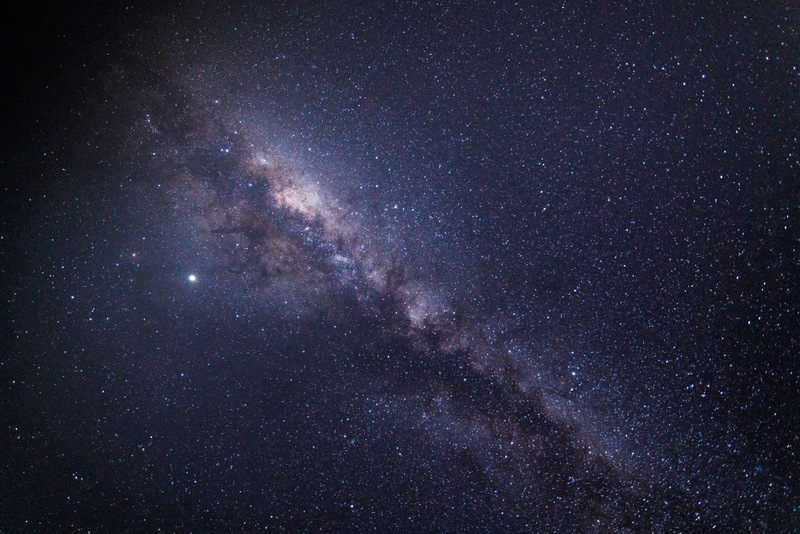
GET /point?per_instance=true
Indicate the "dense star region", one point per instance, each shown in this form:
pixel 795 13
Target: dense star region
pixel 401 267
pixel 274 230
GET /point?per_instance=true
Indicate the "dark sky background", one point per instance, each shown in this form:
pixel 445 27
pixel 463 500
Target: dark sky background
pixel 400 266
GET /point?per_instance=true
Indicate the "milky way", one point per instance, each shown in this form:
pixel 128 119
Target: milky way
pixel 284 233
pixel 402 268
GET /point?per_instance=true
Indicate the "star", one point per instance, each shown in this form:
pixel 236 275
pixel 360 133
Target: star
pixel 193 278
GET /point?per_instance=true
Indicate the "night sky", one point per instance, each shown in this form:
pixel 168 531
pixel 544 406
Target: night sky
pixel 400 267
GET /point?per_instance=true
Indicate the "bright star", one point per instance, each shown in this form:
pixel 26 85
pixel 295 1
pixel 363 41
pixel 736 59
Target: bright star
pixel 192 278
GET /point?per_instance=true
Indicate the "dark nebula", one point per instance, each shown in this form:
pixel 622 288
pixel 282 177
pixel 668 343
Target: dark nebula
pixel 400 267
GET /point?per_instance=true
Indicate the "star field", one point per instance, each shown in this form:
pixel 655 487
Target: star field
pixel 401 267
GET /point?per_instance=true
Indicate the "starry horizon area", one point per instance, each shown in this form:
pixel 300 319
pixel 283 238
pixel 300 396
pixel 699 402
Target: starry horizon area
pixel 401 267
